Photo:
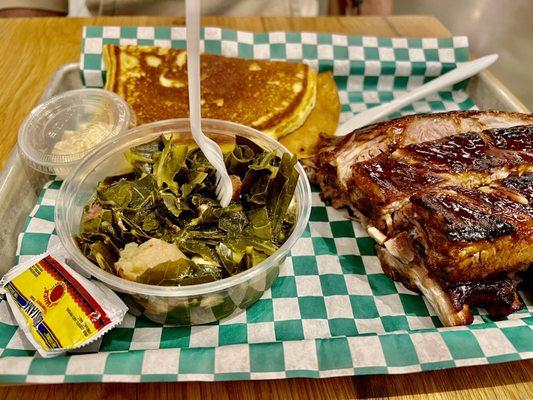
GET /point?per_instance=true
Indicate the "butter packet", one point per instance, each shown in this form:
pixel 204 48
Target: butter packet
pixel 57 308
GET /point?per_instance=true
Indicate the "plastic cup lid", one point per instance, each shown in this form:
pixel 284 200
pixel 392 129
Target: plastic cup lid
pixel 58 133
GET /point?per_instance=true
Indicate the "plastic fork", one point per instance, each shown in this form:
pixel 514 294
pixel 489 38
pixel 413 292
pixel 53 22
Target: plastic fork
pixel 211 150
pixel 458 74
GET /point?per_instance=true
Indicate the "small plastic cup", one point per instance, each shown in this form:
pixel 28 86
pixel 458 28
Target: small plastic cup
pixel 60 132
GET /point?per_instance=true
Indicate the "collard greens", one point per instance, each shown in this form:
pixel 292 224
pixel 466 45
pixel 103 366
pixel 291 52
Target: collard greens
pixel 169 194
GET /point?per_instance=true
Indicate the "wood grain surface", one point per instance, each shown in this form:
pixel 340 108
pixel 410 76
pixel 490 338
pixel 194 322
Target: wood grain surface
pixel 31 49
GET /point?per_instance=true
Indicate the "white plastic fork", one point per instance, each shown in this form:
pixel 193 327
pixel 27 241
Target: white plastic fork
pixel 211 150
pixel 375 114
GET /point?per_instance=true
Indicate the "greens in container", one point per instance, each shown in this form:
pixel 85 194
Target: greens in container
pixel 161 224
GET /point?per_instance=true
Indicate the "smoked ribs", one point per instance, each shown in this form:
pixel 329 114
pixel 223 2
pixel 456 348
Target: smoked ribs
pixel 449 199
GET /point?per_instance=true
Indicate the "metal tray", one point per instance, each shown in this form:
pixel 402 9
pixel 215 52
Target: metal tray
pixel 20 185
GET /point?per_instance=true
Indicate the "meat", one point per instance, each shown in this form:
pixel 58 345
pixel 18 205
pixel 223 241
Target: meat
pixel 417 278
pixel 384 184
pixel 472 234
pixel 470 243
pixel 497 295
pixel 449 198
pixel 453 303
pixel 366 143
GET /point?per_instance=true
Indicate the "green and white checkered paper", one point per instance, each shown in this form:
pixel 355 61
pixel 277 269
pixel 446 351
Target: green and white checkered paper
pixel 332 311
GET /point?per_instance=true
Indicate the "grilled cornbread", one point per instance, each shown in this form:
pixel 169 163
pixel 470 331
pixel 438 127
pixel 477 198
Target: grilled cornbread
pixel 323 119
pixel 271 96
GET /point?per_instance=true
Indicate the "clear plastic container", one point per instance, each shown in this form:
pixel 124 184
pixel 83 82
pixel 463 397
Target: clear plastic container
pixel 58 133
pixel 186 305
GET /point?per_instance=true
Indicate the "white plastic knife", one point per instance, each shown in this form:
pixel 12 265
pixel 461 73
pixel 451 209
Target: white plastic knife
pixel 458 74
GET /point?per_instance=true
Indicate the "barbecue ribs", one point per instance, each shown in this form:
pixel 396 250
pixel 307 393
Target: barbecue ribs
pixel 449 199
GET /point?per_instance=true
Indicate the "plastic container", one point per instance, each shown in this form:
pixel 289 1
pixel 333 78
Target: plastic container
pixel 58 133
pixel 186 305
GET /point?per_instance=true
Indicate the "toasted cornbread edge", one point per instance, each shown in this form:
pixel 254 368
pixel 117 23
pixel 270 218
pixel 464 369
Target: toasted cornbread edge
pixel 302 139
pixel 301 112
pixel 110 64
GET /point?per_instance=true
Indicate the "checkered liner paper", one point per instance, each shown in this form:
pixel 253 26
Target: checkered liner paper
pixel 332 311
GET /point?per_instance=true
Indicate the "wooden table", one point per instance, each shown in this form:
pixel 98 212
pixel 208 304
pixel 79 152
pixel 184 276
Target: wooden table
pixel 31 49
